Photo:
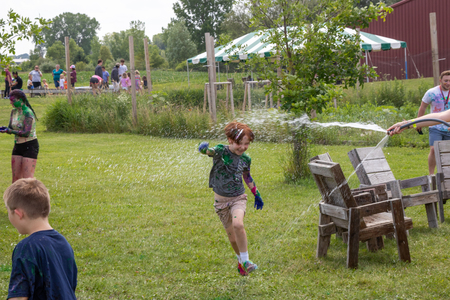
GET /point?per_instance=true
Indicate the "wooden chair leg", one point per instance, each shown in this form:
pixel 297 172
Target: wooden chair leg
pixel 372 245
pixel 400 230
pixel 380 241
pixel 353 239
pixel 323 242
pixel 439 180
pixel 431 215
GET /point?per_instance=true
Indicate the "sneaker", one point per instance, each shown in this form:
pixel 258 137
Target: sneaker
pixel 241 270
pixel 249 266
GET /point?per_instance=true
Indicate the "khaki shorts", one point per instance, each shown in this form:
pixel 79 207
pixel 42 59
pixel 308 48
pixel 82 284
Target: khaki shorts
pixel 225 206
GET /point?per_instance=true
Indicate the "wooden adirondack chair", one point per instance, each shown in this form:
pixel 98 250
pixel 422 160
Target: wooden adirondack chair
pixel 359 216
pixel 372 168
pixel 442 154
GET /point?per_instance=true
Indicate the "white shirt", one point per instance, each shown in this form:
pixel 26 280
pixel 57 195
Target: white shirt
pixel 122 69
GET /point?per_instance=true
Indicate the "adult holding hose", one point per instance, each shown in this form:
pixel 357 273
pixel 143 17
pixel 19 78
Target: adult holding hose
pixel 437 98
pixel 22 124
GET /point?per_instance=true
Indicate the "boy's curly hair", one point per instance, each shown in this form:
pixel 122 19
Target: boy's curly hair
pixel 236 131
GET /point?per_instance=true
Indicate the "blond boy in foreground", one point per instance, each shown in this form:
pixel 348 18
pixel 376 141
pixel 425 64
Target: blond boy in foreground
pixel 43 264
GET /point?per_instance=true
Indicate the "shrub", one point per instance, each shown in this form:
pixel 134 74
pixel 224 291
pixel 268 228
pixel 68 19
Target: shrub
pixel 80 66
pixel 48 66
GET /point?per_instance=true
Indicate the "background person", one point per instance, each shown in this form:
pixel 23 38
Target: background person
pixel 115 77
pixel 17 83
pixel 125 82
pixel 105 76
pixel 98 69
pixel 94 82
pixel 8 82
pixel 30 85
pixel 122 68
pixel 57 74
pixel 438 98
pixel 62 82
pixel 73 75
pixel 36 75
pixel 22 124
pixel 43 264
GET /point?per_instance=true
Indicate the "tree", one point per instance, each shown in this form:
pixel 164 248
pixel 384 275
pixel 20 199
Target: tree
pixel 179 44
pixel 105 54
pixel 364 3
pixel 158 40
pixel 314 53
pixel 79 27
pixel 237 21
pixel 16 28
pixel 117 43
pixel 76 52
pixel 202 16
pixel 156 60
pixel 57 53
pixel 95 50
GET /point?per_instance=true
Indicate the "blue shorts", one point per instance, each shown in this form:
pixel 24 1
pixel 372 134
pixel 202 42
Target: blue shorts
pixel 438 135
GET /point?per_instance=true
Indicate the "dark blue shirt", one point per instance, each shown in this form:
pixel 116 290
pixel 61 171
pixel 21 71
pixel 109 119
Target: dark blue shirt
pixel 43 268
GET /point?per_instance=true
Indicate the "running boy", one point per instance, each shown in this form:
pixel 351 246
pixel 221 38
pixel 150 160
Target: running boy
pixel 230 164
pixel 43 264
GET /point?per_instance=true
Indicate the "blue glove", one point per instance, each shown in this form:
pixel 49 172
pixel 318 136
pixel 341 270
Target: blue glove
pixel 258 202
pixel 3 129
pixel 203 147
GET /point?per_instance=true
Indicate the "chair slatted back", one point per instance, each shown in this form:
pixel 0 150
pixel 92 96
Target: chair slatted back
pixel 332 183
pixel 371 166
pixel 442 153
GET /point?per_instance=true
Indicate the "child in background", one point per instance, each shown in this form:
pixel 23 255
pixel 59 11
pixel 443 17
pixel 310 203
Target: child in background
pixel 125 82
pixel 105 78
pixel 230 164
pixel 137 80
pixel 144 79
pixel 73 76
pixel 129 81
pixel 43 264
pixel 62 81
pixel 30 85
pixel 44 81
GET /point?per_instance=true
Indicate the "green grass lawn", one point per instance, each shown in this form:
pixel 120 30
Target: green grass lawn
pixel 139 215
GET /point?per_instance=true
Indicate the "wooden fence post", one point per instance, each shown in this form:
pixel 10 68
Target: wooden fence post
pixel 133 79
pixel 69 81
pixel 147 66
pixel 434 48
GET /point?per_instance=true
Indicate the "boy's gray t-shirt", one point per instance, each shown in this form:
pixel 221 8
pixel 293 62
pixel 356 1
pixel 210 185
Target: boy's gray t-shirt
pixel 225 177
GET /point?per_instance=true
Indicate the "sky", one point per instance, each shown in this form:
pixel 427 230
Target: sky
pixel 113 16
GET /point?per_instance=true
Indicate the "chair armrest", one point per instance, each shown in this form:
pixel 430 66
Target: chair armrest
pixel 413 182
pixel 375 208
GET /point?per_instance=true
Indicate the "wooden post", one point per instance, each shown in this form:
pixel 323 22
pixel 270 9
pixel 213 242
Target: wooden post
pixel 69 83
pixel 204 98
pixel 267 100
pixel 245 96
pixel 400 230
pixel 249 90
pixel 209 41
pixel 434 48
pixel 353 238
pixel 271 99
pixel 231 99
pixel 227 96
pixel 147 66
pixel 208 90
pixel 133 78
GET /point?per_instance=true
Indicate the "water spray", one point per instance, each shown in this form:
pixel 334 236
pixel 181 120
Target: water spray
pixel 421 120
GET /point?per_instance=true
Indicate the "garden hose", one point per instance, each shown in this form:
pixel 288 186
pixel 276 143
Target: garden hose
pixel 422 120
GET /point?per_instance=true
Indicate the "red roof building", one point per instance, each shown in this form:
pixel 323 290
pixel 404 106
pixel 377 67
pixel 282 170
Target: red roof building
pixel 410 22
